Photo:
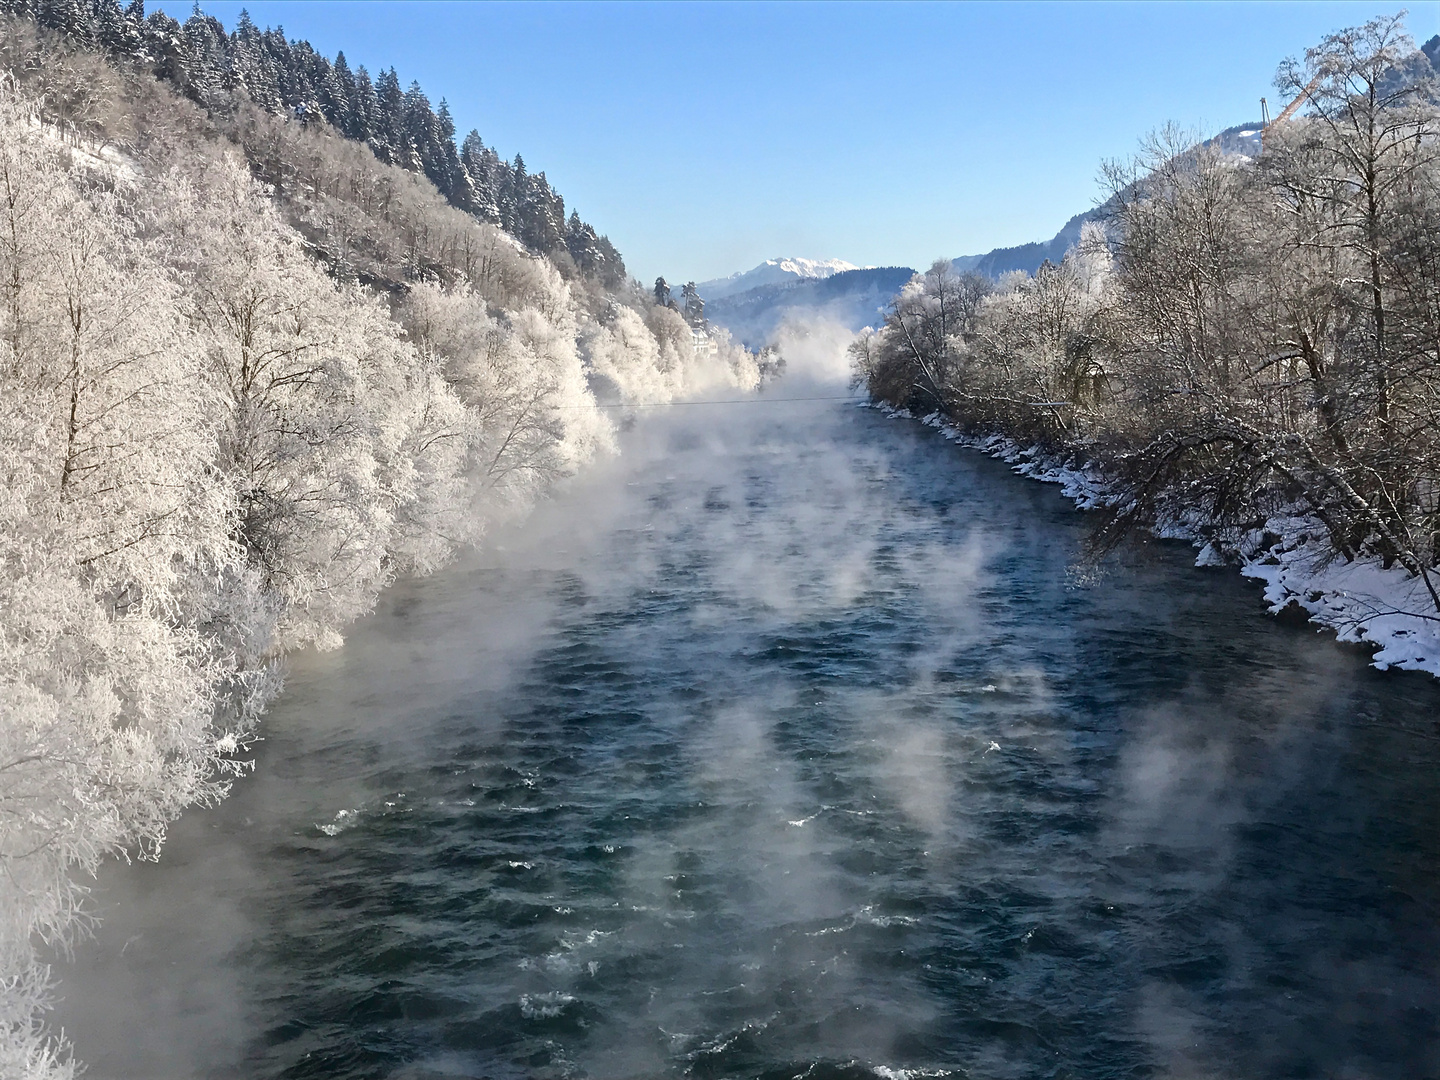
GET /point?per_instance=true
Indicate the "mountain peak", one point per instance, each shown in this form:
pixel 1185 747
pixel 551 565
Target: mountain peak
pixel 781 270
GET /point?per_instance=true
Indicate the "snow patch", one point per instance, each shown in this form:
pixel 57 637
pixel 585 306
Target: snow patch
pixel 1360 600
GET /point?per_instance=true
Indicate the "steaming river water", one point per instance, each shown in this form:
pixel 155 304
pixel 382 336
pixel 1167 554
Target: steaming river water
pixel 796 742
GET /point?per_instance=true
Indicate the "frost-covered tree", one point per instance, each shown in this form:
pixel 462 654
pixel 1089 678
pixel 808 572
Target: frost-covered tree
pixel 520 376
pixel 625 359
pixel 294 360
pixel 117 708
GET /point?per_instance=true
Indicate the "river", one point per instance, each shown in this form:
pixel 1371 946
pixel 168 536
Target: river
pixel 798 742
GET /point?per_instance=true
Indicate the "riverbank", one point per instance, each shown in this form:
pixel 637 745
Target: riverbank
pixel 1360 601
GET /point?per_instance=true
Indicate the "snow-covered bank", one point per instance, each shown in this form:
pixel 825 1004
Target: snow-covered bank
pixel 1361 601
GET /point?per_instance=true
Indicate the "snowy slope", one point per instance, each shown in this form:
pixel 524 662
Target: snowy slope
pixel 775 272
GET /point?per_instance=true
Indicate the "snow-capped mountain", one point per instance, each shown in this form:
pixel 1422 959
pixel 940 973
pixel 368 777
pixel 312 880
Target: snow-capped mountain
pixel 850 298
pixel 775 272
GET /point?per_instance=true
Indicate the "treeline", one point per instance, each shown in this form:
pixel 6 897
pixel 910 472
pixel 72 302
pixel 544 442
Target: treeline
pixel 1241 338
pixel 251 374
pixel 220 71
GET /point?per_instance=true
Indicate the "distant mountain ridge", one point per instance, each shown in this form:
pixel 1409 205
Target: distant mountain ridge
pixel 777 271
pixel 854 298
pixel 754 304
pixel 1242 139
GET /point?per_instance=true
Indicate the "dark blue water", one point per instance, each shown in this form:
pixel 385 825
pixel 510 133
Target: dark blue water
pixel 800 743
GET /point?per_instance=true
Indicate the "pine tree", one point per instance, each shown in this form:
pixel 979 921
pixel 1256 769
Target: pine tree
pixel 70 17
pixel 337 96
pixel 694 306
pixel 582 243
pixel 610 267
pixel 365 109
pixel 302 72
pixel 390 140
pixel 422 129
pixel 207 60
pixel 118 31
pixel 513 181
pixel 251 68
pixel 166 48
pixel 459 187
pixel 482 165
pixel 542 216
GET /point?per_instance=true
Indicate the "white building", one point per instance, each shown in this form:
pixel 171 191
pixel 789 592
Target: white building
pixel 702 342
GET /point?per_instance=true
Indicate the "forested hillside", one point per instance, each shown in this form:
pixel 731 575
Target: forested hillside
pixel 223 72
pixel 252 372
pixel 1241 341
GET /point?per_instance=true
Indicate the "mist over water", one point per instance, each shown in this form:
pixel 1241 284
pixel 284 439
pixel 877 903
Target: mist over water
pixel 796 741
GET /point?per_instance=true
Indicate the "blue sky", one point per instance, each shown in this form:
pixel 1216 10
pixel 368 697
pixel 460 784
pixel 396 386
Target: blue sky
pixel 704 138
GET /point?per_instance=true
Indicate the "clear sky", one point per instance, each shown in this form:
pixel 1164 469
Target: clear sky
pixel 704 138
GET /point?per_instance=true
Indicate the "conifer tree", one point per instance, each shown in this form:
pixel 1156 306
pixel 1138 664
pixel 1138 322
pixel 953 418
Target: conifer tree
pixel 482 166
pixel 390 139
pixel 365 115
pixel 337 96
pixel 207 61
